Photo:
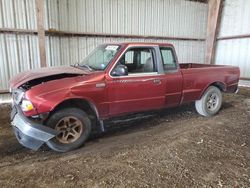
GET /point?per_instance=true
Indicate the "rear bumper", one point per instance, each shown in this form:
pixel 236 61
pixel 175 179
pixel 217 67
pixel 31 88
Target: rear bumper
pixel 29 133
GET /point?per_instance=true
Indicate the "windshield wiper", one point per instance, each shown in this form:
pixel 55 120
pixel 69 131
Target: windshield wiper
pixel 87 66
pixel 83 65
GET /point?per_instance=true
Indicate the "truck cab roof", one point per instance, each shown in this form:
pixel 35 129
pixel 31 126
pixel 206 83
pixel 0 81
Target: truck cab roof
pixel 142 44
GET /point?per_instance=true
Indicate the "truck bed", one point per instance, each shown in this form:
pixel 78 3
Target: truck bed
pixel 197 77
pixel 196 65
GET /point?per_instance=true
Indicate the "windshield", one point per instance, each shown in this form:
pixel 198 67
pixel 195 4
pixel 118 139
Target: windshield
pixel 100 57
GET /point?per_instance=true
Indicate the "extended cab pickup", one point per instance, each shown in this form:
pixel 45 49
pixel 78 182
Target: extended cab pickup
pixel 60 106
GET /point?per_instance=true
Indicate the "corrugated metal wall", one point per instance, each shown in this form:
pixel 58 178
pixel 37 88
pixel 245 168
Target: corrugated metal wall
pixel 19 14
pixel 235 21
pixel 65 51
pixel 176 18
pixel 17 52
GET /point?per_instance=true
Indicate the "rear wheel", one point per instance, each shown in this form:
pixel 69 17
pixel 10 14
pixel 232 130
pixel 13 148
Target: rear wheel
pixel 74 127
pixel 210 102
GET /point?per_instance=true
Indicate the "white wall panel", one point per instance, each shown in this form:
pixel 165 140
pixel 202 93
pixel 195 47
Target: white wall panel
pixel 66 51
pixel 235 52
pixel 235 18
pixel 4 69
pixel 5 98
pixel 177 18
pixel 18 14
pixel 235 21
pixel 17 53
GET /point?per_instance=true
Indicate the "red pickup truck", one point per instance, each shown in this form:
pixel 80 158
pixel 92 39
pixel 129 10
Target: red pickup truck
pixel 60 106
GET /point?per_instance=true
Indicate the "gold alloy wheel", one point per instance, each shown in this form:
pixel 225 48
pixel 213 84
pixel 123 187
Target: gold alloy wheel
pixel 70 129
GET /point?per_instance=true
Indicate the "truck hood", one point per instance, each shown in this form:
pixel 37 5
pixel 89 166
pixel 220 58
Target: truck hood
pixel 50 73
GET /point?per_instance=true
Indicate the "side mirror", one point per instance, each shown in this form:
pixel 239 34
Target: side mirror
pixel 120 70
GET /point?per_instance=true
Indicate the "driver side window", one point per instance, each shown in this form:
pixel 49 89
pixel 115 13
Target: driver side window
pixel 139 60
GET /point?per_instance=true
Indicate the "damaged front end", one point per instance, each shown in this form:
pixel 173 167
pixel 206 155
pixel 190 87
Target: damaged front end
pixel 31 83
pixel 29 129
pixel 28 117
pixel 28 132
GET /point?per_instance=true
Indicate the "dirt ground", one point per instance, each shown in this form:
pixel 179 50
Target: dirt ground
pixel 174 148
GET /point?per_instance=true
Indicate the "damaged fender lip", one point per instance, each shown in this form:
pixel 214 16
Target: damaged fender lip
pixel 29 133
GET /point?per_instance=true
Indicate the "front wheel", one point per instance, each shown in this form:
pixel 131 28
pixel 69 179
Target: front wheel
pixel 74 126
pixel 210 102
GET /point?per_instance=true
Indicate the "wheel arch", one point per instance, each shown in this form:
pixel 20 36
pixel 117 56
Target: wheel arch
pixel 84 104
pixel 220 85
pixel 81 103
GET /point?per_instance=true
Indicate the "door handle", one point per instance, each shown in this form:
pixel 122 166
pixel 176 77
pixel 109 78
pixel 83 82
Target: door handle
pixel 157 81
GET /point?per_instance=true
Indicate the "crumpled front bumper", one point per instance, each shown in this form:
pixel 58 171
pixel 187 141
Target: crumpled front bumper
pixel 28 132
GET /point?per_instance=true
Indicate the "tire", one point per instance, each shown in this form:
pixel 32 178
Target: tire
pixel 75 127
pixel 210 102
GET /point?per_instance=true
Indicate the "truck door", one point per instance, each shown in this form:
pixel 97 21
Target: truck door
pixel 142 88
pixel 172 77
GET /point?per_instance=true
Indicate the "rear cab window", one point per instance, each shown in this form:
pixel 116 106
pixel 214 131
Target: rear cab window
pixel 168 59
